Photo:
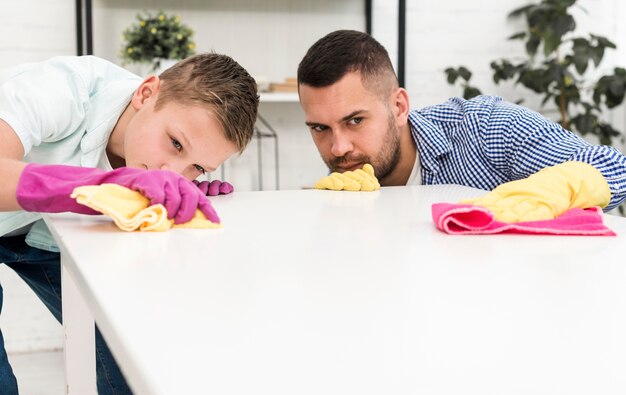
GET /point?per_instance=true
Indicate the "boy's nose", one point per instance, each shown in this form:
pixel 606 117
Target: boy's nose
pixel 172 167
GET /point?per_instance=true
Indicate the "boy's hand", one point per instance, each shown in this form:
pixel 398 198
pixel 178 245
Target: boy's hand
pixel 215 187
pixel 47 189
pixel 180 196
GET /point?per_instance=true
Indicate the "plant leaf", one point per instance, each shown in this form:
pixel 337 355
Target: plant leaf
pixel 451 75
pixel 517 36
pixel 465 73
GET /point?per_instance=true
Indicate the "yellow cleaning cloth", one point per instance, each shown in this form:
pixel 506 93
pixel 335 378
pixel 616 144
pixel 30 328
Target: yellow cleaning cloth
pixel 547 194
pixel 357 180
pixel 130 211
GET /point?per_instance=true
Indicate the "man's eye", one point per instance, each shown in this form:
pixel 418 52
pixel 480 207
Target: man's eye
pixel 200 169
pixel 319 128
pixel 355 121
pixel 177 144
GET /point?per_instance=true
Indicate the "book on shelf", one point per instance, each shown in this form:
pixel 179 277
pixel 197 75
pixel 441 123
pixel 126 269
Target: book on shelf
pixel 289 85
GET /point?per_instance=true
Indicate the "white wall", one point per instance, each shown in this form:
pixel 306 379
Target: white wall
pixel 266 37
pixel 32 30
pixel 269 38
pixel 473 33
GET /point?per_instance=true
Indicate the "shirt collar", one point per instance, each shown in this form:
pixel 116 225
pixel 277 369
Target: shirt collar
pixel 431 141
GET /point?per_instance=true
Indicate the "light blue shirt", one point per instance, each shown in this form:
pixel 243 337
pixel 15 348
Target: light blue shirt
pixel 485 142
pixel 63 111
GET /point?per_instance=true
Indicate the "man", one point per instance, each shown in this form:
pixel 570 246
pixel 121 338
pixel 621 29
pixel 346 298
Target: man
pixel 357 113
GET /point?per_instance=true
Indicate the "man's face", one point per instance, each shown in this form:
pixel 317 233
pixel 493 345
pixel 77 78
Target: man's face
pixel 182 138
pixel 351 126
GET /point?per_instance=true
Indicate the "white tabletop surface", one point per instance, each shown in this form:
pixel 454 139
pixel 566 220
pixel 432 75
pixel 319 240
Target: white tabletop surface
pixel 321 292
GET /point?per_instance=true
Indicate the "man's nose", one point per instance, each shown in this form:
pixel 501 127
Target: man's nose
pixel 341 144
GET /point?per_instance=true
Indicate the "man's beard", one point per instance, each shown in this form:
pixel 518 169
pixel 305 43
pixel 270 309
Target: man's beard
pixel 386 159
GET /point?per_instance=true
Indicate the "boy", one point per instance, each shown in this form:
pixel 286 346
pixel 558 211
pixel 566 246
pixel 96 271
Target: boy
pixel 71 121
pixel 357 113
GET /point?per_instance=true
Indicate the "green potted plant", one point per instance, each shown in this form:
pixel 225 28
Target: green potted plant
pixel 557 68
pixel 155 38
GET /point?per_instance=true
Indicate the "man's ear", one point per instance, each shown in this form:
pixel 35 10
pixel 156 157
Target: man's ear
pixel 148 89
pixel 401 106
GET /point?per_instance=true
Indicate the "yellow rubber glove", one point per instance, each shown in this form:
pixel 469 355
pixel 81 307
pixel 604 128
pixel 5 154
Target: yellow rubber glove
pixel 547 194
pixel 357 180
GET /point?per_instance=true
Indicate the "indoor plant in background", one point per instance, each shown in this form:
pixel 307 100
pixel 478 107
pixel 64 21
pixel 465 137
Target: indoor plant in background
pixel 557 67
pixel 155 39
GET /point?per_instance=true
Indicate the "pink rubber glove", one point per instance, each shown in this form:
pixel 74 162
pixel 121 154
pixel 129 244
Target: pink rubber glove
pixel 215 187
pixel 47 189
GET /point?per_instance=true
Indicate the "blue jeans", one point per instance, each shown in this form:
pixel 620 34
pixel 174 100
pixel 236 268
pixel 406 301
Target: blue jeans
pixel 41 270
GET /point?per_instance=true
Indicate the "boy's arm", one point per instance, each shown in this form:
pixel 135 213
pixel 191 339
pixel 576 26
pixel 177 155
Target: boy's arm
pixel 47 188
pixel 11 166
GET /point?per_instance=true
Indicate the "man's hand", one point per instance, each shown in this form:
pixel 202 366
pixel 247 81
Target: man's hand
pixel 547 194
pixel 357 180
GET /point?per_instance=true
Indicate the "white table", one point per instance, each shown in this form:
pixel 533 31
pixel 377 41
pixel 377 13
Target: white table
pixel 320 292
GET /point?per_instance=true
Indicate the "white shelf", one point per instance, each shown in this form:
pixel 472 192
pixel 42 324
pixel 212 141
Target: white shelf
pixel 279 97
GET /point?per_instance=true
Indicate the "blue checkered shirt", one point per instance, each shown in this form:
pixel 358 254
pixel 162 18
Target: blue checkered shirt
pixel 485 141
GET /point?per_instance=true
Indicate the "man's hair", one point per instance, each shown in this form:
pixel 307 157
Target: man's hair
pixel 344 51
pixel 221 84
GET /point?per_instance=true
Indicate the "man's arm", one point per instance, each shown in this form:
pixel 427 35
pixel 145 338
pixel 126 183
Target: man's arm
pixel 533 142
pixel 11 166
pixel 547 194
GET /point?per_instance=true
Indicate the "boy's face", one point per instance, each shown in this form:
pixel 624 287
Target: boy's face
pixel 352 126
pixel 186 139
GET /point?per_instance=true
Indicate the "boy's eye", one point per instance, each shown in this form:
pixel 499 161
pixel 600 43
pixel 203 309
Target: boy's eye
pixel 177 144
pixel 200 169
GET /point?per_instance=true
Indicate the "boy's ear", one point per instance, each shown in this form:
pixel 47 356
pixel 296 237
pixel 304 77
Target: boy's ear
pixel 148 89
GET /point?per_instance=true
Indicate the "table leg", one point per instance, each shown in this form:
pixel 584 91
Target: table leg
pixel 80 349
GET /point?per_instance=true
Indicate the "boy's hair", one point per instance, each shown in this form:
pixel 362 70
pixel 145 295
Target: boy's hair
pixel 221 84
pixel 343 51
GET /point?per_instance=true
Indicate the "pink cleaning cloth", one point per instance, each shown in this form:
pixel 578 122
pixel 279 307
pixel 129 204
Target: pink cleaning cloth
pixel 465 219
